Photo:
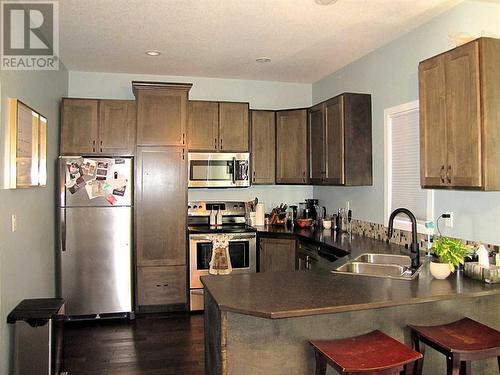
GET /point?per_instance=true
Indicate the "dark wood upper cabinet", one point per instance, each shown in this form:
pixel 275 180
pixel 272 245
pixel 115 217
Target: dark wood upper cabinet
pixel 79 126
pixel 433 156
pixel 161 114
pixel 276 255
pixel 460 117
pixel 317 169
pixel 218 126
pixel 203 126
pixel 117 120
pixel 340 141
pixel 335 142
pixel 263 147
pixel 98 127
pixel 161 199
pixel 233 127
pixel 291 147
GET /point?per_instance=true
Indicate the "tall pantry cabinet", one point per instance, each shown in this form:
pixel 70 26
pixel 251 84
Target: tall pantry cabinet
pixel 161 196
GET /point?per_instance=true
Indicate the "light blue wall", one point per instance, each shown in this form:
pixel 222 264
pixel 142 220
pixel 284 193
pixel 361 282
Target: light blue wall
pixel 27 256
pixel 390 75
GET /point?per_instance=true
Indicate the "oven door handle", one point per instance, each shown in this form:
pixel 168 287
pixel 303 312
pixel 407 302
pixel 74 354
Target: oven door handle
pixel 248 237
pixel 200 238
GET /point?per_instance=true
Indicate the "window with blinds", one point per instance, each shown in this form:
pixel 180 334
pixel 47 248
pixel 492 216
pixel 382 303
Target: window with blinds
pixel 403 166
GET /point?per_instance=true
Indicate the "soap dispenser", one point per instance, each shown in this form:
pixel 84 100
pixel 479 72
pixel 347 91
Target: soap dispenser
pixel 213 219
pixel 219 217
pixel 482 254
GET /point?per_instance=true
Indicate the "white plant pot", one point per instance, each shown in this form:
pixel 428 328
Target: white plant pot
pixel 440 270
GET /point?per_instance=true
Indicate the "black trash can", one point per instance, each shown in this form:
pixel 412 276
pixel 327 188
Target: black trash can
pixel 38 336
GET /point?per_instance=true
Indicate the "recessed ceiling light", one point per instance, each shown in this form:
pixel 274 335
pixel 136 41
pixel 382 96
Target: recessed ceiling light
pixel 325 2
pixel 263 60
pixel 153 53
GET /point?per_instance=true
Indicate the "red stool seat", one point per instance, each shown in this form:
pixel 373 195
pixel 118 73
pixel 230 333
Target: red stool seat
pixel 372 352
pixel 462 341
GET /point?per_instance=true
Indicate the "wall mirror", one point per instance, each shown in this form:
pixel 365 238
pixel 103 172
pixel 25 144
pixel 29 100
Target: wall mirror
pixel 28 146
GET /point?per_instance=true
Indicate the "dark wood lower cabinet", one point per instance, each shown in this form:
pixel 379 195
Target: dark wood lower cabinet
pixel 276 254
pixel 165 285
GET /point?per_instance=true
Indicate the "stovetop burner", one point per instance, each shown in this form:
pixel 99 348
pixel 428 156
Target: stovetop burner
pixel 221 229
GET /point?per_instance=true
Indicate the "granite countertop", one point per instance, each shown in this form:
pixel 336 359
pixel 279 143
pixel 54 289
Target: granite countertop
pixel 343 245
pixel 303 293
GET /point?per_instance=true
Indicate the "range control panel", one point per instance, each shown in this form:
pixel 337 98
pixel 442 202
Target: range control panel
pixel 203 208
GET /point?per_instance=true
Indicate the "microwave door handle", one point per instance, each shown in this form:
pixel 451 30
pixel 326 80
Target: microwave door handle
pixel 234 171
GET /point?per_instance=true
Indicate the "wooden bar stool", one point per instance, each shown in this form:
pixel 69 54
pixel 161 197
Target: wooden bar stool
pixel 372 353
pixel 461 342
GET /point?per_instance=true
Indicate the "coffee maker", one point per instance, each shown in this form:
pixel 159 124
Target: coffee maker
pixel 311 205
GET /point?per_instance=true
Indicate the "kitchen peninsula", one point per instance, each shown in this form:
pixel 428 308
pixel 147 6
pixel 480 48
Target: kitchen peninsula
pixel 261 323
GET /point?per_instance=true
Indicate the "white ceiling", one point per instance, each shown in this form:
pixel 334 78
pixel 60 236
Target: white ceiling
pixel 222 38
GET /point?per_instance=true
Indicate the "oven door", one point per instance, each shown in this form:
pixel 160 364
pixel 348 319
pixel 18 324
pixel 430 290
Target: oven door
pixel 242 252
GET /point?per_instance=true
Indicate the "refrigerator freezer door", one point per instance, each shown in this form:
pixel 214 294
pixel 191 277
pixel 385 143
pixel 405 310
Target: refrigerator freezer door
pixel 95 182
pixel 96 272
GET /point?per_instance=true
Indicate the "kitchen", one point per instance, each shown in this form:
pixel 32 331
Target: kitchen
pixel 388 74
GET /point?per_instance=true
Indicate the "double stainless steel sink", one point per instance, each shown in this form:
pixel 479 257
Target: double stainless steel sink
pixel 380 265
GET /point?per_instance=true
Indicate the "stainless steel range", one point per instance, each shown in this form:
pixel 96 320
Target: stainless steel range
pixel 242 244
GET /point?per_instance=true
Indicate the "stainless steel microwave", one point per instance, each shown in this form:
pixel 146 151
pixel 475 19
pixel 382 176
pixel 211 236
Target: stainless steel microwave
pixel 219 169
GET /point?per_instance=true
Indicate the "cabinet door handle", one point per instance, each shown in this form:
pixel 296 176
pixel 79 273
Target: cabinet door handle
pixel 182 154
pixel 221 143
pixel 100 143
pixel 304 176
pixel 253 176
pixel 448 174
pixel 93 145
pixel 215 146
pixel 441 174
pixel 183 138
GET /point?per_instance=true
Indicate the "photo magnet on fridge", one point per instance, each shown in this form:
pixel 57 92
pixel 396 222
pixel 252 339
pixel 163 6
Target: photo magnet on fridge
pixel 89 167
pixel 111 199
pixel 79 183
pixel 119 191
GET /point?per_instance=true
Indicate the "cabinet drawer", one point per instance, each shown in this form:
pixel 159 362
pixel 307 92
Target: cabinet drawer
pixel 161 285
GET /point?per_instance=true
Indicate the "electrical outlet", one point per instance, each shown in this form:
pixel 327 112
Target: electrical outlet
pixel 13 222
pixel 448 221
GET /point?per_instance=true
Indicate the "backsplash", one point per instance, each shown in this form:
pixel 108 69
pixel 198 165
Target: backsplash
pixel 400 237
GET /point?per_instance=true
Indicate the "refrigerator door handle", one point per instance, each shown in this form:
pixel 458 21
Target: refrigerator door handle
pixel 63 229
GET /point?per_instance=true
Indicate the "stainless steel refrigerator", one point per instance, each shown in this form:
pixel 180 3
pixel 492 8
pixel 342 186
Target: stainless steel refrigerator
pixel 95 212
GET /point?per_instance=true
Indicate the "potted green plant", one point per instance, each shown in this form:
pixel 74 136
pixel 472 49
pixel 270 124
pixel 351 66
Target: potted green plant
pixel 448 254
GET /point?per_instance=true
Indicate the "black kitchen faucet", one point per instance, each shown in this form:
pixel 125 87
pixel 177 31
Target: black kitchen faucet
pixel 415 256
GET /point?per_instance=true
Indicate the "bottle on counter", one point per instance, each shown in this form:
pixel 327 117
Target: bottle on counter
pixel 219 217
pixel 213 219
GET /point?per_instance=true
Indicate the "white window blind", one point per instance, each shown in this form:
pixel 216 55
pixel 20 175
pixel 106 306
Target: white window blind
pixel 403 164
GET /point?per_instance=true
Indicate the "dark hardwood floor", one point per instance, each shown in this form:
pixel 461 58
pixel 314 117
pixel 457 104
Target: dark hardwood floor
pixel 148 345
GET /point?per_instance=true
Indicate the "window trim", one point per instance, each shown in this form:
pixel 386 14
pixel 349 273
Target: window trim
pixel 400 222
